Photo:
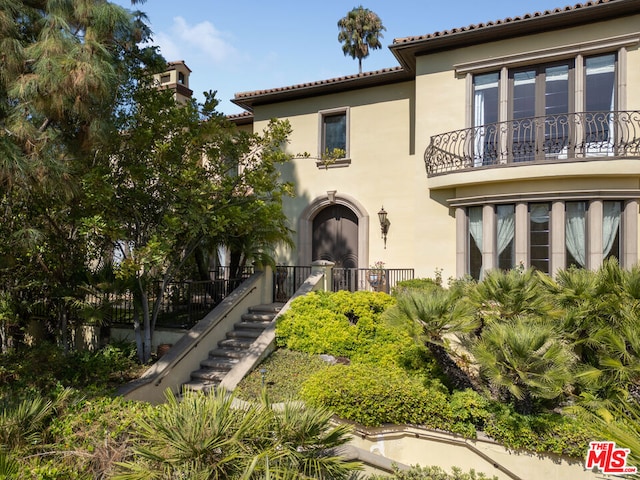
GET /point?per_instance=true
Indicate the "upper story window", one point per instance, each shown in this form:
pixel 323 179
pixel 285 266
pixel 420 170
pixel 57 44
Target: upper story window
pixel 334 138
pixel 539 119
pixel 165 78
pixel 181 78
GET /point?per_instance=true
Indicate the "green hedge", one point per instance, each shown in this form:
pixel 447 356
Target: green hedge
pixel 373 396
pixel 344 324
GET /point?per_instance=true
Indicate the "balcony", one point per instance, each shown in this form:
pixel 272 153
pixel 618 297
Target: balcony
pixel 552 138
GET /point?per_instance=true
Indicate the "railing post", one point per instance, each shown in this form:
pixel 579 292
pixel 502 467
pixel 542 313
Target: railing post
pixel 325 267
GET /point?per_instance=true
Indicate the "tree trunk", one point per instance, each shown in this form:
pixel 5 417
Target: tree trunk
pixel 63 321
pixel 524 405
pixel 458 379
pixel 146 328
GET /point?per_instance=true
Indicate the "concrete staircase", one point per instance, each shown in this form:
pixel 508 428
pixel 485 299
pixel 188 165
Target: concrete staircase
pixel 233 348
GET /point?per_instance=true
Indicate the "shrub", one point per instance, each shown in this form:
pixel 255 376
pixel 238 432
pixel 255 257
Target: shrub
pixel 546 432
pixel 373 396
pixel 433 473
pixel 284 373
pixel 470 412
pixel 343 324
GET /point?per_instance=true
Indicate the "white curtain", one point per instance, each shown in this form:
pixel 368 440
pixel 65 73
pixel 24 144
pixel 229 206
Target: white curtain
pixel 539 213
pixel 475 229
pixel 575 232
pixel 484 85
pixel 506 226
pixel 610 225
pixel 600 99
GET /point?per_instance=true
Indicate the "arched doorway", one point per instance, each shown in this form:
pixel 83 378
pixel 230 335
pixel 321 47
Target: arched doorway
pixel 335 236
pixel 311 213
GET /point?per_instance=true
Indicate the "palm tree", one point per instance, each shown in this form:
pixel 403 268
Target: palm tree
pixel 439 314
pixel 360 30
pixel 526 358
pixel 215 437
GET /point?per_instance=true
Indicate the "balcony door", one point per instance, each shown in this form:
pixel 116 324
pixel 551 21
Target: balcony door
pixel 540 101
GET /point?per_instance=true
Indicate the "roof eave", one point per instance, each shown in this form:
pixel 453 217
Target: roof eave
pixel 369 79
pixel 406 52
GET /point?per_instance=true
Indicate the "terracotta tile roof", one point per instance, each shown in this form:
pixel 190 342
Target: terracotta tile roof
pixel 520 18
pixel 318 83
pixel 242 118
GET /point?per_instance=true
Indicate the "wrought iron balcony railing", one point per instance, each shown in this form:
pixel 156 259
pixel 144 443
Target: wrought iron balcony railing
pixel 568 136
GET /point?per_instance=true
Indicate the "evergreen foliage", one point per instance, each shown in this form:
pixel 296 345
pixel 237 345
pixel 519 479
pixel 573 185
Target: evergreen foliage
pixel 360 31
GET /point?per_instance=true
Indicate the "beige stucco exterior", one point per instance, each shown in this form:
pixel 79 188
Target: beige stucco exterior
pixel 390 124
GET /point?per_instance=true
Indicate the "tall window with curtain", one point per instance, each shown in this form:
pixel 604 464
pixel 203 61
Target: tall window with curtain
pixel 600 81
pixel 611 229
pixel 485 117
pixel 505 235
pixel 475 242
pixel 576 234
pixel 539 236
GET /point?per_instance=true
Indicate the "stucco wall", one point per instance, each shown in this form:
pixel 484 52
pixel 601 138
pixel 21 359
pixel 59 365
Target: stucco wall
pixel 390 128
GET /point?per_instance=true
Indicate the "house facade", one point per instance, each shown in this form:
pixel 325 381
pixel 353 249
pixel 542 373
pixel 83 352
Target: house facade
pixel 506 144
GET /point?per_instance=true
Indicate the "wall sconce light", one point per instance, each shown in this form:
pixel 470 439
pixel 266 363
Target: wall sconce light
pixel 384 225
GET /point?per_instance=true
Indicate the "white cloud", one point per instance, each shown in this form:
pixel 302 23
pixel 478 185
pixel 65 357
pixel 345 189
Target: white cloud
pixel 201 39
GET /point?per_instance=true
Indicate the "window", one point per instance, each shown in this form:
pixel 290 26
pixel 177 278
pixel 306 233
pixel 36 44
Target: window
pixel 599 104
pixel 539 238
pixel 575 221
pixel 474 242
pixel 165 78
pixel 181 78
pixel 541 101
pixel 505 236
pixel 540 92
pixel 334 138
pixel 612 212
pixel 575 240
pixel 485 117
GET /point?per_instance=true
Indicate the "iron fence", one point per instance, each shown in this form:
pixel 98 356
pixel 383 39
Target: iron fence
pixel 288 279
pixel 369 279
pixel 568 136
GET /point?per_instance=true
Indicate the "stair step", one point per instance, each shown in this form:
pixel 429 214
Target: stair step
pixel 227 353
pixel 258 317
pixel 199 386
pixel 236 343
pixel 267 308
pixel 244 334
pixel 208 375
pixel 219 363
pixel 252 325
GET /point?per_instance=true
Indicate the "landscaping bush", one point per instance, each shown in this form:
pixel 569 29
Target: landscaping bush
pixel 433 473
pixel 543 433
pixel 344 324
pixel 281 375
pixel 373 396
pixel 46 367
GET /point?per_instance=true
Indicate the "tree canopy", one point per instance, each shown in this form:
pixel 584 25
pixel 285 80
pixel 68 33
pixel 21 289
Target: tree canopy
pixel 360 31
pixel 98 164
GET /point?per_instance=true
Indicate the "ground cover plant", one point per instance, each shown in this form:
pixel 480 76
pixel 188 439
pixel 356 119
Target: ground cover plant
pixel 523 345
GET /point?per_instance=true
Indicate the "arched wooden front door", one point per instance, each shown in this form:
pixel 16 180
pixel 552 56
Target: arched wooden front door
pixel 335 236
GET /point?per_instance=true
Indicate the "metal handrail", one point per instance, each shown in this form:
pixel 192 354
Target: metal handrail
pixel 561 137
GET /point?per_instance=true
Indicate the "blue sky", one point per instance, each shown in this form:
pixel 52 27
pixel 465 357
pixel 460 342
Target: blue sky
pixel 236 46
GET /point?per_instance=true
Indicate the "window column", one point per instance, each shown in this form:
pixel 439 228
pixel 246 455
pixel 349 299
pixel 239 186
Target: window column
pixel 558 247
pixel 522 234
pixel 488 237
pixel 461 242
pixel 594 224
pixel 630 234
